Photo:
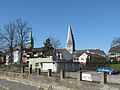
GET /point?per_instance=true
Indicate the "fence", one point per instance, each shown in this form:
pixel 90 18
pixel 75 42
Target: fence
pixel 96 77
pixel 84 76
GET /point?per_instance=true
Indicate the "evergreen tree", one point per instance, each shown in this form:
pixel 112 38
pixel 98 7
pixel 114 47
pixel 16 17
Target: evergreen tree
pixel 47 49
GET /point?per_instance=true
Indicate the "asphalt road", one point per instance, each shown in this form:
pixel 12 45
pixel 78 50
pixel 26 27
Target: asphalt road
pixel 16 86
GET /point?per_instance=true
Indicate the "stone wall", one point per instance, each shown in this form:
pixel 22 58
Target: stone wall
pixel 54 83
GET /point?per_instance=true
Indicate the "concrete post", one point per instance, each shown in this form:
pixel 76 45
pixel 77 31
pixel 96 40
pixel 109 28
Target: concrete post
pixel 30 69
pixel 23 69
pixel 62 74
pixel 49 72
pixel 35 69
pixel 79 76
pixel 103 78
pixel 38 71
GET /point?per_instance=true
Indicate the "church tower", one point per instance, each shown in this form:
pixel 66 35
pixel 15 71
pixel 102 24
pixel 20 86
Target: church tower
pixel 70 44
pixel 31 42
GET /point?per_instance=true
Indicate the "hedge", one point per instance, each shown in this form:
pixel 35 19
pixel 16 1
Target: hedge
pixel 114 66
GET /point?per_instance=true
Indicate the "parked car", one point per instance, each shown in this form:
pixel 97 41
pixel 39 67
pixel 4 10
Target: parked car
pixel 107 70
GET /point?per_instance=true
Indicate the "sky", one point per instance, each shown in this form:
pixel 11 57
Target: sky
pixel 94 23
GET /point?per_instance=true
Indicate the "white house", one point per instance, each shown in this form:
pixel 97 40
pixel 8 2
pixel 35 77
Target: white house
pixel 83 58
pixel 16 56
pixel 82 55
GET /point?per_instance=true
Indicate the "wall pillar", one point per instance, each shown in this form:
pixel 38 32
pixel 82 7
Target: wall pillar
pixel 30 69
pixel 103 78
pixel 23 69
pixel 62 74
pixel 38 71
pixel 80 66
pixel 49 72
pixel 79 76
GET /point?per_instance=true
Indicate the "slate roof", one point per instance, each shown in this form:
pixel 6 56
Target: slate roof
pixel 115 49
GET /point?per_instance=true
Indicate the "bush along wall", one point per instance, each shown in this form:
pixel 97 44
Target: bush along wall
pixel 114 66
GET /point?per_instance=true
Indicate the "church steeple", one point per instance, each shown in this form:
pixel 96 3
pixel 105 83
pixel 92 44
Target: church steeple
pixel 70 44
pixel 30 42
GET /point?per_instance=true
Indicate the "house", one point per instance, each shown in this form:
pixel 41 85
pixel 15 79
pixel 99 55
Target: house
pixel 114 53
pixel 83 55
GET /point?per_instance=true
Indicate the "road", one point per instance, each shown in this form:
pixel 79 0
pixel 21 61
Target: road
pixel 16 86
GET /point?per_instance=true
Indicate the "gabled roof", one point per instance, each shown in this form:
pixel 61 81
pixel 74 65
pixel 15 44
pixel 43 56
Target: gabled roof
pixel 115 49
pixel 97 51
pixel 77 53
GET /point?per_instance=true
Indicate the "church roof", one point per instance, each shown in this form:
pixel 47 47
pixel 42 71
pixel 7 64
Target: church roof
pixel 30 37
pixel 70 38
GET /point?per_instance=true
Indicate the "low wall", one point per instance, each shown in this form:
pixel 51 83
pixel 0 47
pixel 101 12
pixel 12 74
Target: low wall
pixel 54 83
pixel 96 77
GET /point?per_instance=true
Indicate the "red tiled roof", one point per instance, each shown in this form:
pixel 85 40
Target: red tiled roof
pixel 60 50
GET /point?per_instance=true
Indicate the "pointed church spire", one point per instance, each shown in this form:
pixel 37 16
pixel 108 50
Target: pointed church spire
pixel 30 42
pixel 70 44
pixel 31 34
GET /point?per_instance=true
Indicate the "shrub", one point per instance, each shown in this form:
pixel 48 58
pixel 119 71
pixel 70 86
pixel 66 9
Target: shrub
pixel 114 66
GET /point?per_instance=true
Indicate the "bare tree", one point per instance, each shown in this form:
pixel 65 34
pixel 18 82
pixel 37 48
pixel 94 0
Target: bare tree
pixel 55 44
pixel 22 33
pixel 115 41
pixel 7 37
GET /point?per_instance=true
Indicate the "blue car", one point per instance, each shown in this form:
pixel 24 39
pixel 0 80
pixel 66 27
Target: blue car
pixel 107 70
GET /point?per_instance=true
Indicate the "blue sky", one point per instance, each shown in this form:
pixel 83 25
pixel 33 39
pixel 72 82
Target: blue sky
pixel 94 22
